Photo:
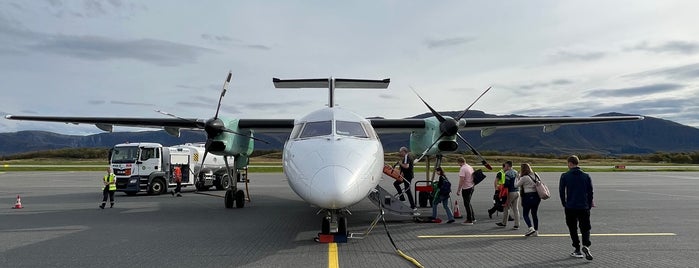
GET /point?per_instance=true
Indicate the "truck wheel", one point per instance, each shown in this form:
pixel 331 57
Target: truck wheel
pixel 200 186
pixel 157 187
pixel 223 183
pixel 228 199
pixel 325 226
pixel 239 199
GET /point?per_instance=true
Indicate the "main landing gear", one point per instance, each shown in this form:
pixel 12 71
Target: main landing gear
pixel 233 194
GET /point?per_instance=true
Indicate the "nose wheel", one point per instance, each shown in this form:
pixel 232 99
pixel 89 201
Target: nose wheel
pixel 334 223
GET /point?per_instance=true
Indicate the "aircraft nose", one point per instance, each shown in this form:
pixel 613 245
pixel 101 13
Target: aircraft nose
pixel 333 187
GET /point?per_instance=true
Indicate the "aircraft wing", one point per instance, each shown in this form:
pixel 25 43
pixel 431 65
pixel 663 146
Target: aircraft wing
pixel 106 123
pixel 549 123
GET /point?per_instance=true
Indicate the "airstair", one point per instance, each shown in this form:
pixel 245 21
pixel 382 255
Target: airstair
pixel 390 202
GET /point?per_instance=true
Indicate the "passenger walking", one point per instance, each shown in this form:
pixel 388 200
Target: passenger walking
pixel 512 196
pixel 466 188
pixel 441 190
pixel 109 181
pixel 406 168
pixel 575 189
pixel 498 201
pixel 530 198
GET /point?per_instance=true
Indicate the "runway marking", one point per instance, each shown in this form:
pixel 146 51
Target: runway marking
pixel 333 261
pixel 540 235
pixel 673 195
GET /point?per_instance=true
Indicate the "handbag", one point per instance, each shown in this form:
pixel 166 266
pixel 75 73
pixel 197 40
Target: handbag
pixel 541 188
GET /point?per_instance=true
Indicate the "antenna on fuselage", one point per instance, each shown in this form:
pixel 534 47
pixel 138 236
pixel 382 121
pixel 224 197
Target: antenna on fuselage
pixel 331 84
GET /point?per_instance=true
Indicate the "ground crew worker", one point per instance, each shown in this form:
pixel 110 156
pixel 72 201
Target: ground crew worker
pixel 177 176
pixel 109 181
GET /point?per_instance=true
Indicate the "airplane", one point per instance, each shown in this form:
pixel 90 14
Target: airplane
pixel 333 158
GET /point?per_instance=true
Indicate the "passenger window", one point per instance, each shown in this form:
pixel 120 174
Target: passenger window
pixel 353 129
pixel 314 129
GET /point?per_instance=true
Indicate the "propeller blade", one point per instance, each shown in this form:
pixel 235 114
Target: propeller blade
pixel 473 150
pixel 474 102
pixel 435 113
pixel 241 134
pixel 223 92
pixel 206 151
pixel 428 148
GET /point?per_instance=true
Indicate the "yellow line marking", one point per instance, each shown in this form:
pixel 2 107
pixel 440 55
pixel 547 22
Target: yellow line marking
pixel 333 262
pixel 540 235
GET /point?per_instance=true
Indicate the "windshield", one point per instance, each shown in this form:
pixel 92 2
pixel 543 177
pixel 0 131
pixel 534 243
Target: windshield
pixel 353 129
pixel 314 129
pixel 125 154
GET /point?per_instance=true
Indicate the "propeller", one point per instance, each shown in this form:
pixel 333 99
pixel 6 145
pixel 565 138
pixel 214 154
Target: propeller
pixel 449 127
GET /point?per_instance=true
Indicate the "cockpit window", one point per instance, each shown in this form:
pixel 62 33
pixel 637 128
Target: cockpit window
pixel 353 129
pixel 314 129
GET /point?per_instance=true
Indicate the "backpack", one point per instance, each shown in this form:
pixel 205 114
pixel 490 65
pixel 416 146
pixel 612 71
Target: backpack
pixel 541 188
pixel 445 189
pixel 478 176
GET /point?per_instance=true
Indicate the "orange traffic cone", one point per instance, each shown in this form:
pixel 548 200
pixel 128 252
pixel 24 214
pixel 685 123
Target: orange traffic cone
pixel 457 213
pixel 18 204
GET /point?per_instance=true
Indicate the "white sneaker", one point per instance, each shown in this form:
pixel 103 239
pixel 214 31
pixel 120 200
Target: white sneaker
pixel 530 232
pixel 586 251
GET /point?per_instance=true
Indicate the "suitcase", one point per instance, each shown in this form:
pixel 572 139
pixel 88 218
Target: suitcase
pixel 392 172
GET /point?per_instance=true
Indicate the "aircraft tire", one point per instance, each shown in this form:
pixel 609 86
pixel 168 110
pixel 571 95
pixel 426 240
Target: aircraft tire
pixel 228 199
pixel 239 199
pixel 342 226
pixel 325 226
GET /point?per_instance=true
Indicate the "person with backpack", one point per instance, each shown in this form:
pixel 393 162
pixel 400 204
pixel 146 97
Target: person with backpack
pixel 466 188
pixel 530 198
pixel 441 190
pixel 512 196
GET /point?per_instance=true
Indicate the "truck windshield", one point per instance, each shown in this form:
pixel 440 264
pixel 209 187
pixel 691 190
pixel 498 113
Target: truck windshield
pixel 125 154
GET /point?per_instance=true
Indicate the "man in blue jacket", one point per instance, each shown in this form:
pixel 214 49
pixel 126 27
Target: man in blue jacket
pixel 575 189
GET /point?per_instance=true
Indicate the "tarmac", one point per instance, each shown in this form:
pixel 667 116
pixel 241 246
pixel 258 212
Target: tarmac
pixel 641 219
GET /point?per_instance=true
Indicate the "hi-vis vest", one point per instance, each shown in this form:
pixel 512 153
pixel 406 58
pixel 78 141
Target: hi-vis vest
pixel 501 181
pixel 112 179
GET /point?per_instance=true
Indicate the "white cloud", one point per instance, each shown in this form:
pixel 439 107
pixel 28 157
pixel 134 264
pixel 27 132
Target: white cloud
pixel 127 58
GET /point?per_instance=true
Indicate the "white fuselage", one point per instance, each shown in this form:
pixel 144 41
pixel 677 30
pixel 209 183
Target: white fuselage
pixel 333 158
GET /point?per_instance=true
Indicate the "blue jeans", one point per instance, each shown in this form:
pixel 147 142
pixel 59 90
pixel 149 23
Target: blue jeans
pixel 530 202
pixel 445 202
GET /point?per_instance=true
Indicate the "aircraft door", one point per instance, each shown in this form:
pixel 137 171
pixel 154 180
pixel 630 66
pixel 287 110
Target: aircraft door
pixel 149 161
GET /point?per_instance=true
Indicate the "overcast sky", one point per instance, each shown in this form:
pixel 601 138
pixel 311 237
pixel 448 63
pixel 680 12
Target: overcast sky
pixel 553 58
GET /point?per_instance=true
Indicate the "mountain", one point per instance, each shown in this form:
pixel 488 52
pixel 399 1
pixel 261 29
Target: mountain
pixel 636 137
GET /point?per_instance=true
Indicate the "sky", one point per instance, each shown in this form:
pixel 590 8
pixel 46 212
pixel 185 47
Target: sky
pixel 542 58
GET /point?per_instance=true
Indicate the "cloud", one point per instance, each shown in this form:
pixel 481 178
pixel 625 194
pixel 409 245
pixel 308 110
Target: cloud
pixel 633 91
pixel 92 8
pixel 153 51
pixel 689 71
pixel 563 55
pixel 678 47
pixel 130 103
pixel 555 82
pixel 388 96
pixel 233 42
pixel 96 102
pixel 448 42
